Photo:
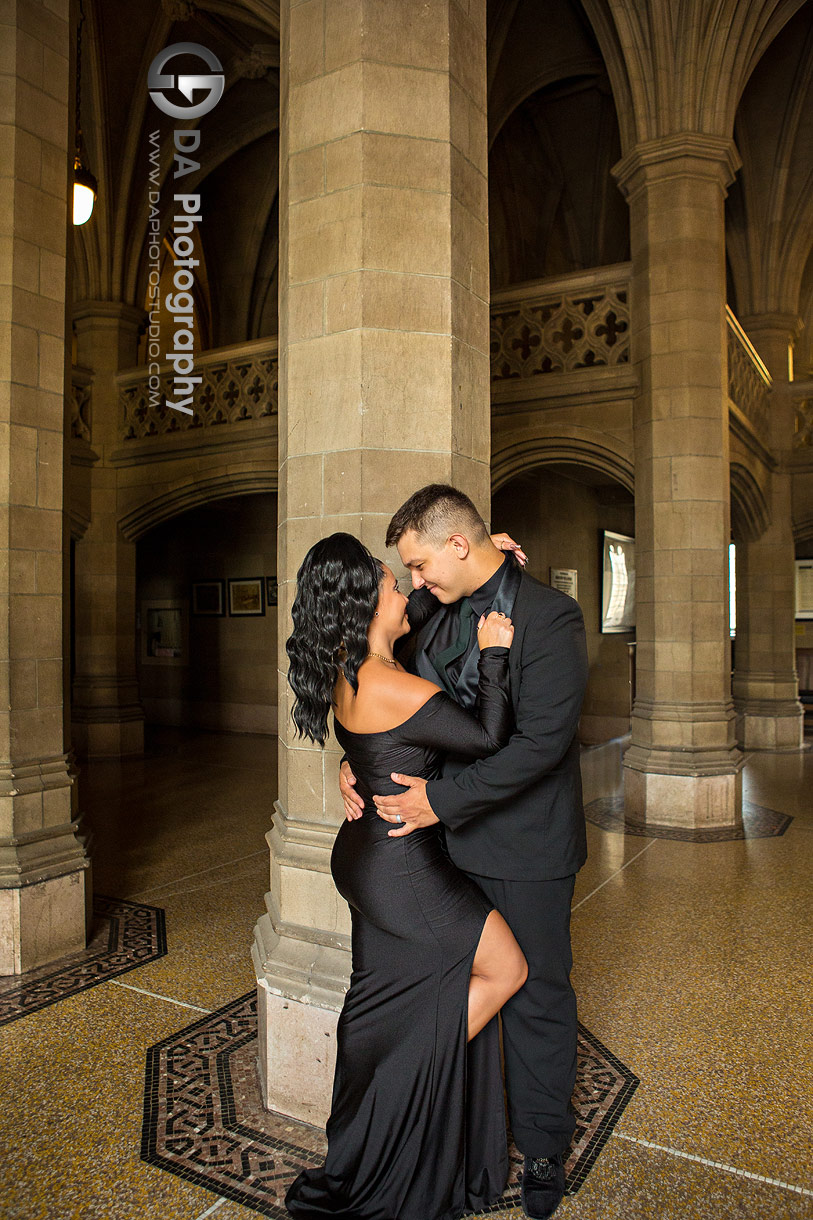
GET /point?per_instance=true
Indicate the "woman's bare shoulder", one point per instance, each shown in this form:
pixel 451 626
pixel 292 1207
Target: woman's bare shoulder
pixel 407 690
pixel 385 699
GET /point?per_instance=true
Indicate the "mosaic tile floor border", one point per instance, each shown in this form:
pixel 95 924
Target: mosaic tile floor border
pixel 757 823
pixel 204 1119
pixel 125 935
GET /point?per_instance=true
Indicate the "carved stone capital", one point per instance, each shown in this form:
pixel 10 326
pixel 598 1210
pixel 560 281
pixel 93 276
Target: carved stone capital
pixel 89 315
pixel 784 322
pixel 685 154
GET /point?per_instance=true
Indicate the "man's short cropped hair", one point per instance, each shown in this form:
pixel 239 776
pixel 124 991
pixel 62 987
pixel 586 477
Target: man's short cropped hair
pixel 437 511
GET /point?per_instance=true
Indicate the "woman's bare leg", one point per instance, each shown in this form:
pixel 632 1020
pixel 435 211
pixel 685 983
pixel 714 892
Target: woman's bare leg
pixel 499 969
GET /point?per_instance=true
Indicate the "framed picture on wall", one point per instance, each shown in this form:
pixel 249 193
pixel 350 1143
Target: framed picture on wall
pixel 617 583
pixel 270 590
pixel 208 598
pixel 246 596
pixel 164 634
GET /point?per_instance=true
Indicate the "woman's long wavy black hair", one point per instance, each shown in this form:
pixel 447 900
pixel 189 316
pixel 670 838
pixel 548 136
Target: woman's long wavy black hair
pixel 336 597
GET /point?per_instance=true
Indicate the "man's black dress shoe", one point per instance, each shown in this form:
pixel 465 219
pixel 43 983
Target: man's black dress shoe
pixel 543 1185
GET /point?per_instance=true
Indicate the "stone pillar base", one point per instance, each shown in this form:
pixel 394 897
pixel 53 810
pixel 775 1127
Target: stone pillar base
pixel 297 1056
pixel 300 991
pixel 779 734
pixel 107 715
pixel 769 714
pixel 43 921
pixel 108 739
pixel 694 801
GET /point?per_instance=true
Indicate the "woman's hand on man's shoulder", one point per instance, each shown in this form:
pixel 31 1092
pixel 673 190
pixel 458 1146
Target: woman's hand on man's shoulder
pixel 495 630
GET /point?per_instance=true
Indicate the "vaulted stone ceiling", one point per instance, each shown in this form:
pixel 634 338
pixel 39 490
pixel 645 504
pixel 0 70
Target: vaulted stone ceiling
pixel 571 84
pixel 681 65
pixel 238 179
pixel 769 212
pixel 553 205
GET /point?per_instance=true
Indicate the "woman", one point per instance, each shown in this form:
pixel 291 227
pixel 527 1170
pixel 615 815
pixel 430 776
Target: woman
pixel 417 1129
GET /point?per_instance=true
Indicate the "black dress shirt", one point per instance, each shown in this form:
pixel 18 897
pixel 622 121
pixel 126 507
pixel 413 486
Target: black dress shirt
pixel 481 601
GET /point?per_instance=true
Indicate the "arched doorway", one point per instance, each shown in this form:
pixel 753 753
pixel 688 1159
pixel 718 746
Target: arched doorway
pixel 559 511
pixel 206 623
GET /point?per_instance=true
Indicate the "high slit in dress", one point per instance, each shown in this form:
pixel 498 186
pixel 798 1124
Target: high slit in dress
pixel 417 1124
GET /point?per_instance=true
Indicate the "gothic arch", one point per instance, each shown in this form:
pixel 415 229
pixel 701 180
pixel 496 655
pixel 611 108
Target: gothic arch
pixel 220 150
pixel 539 445
pixel 584 66
pixel 769 212
pixel 183 496
pixel 682 67
pixel 750 514
pixel 601 18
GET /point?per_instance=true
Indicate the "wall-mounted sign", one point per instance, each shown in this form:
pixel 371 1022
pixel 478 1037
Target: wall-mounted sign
pixel 618 583
pixel 804 588
pixel 566 580
pixel 164 633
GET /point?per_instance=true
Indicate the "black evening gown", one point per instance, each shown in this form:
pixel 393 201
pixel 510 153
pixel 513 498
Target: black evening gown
pixel 417 1124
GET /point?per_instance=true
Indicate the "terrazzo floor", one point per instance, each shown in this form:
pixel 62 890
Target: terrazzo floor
pixel 692 967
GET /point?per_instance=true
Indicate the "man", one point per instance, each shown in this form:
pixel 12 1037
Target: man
pixel 515 821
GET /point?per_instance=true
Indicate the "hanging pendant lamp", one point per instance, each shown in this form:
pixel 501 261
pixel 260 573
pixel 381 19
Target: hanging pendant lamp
pixel 85 186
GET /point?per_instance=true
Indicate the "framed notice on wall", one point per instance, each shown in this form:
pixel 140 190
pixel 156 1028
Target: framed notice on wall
pixel 164 633
pixel 804 588
pixel 566 580
pixel 617 583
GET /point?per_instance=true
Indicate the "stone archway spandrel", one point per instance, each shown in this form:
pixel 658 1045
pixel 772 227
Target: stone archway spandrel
pixel 140 508
pixel 522 449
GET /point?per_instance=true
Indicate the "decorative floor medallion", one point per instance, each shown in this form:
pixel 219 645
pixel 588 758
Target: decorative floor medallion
pixel 757 823
pixel 125 935
pixel 204 1119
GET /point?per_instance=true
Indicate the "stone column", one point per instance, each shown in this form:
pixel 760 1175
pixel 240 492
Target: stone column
pixel 765 685
pixel 384 386
pixel 108 719
pixel 683 767
pixel 42 861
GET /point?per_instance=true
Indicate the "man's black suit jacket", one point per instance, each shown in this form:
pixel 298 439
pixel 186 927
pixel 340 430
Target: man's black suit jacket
pixel 519 814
